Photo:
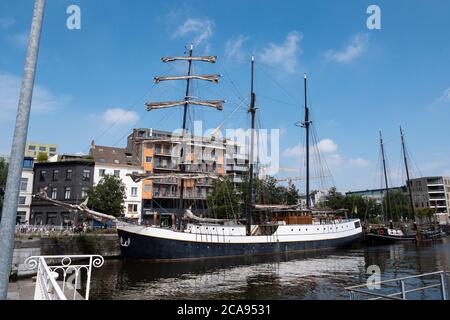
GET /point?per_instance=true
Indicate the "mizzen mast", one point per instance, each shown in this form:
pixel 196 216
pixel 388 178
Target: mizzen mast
pixel 252 111
pixel 408 180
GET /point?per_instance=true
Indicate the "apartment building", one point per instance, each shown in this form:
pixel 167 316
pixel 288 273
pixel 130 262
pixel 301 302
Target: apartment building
pixel 432 192
pixel 236 162
pixel 159 152
pixel 33 149
pixel 66 181
pixel 25 192
pixel 120 163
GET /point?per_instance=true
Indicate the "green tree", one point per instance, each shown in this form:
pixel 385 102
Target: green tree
pixel 3 176
pixel 399 203
pixel 292 195
pixel 42 157
pixel 425 214
pixel 223 201
pixel 108 196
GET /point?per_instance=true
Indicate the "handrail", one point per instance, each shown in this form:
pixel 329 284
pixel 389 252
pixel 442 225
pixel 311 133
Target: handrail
pixel 401 282
pixel 397 279
pixel 47 285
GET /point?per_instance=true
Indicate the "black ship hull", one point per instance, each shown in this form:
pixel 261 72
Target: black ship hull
pixel 152 248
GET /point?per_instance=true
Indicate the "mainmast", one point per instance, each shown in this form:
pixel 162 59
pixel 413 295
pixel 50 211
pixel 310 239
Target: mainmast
pixel 408 181
pixel 182 165
pixel 252 111
pixel 388 204
pixel 306 125
pixel 188 100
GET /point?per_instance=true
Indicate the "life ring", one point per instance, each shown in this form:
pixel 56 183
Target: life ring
pixel 381 232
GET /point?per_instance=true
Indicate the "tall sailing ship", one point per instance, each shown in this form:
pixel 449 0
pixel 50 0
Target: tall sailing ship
pixel 289 228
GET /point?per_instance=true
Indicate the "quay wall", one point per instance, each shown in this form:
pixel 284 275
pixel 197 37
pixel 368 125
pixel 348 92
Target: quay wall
pixel 106 245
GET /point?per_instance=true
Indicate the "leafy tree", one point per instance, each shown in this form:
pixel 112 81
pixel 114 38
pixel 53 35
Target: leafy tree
pixel 292 195
pixel 425 214
pixel 223 201
pixel 108 196
pixel 399 203
pixel 42 157
pixel 3 176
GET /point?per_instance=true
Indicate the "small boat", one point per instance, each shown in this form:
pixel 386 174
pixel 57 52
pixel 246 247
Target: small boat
pixel 389 234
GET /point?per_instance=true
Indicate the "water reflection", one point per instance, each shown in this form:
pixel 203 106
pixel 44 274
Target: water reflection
pixel 292 276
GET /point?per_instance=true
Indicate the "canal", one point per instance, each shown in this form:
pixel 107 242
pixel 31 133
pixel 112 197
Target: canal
pixel 303 276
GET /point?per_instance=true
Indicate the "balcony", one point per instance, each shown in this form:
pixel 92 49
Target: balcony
pixel 165 181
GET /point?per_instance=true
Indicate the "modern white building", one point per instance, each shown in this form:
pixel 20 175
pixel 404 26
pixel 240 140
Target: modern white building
pixel 434 193
pixel 26 191
pixel 117 162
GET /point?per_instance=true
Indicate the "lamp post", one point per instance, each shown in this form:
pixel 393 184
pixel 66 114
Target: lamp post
pixel 9 213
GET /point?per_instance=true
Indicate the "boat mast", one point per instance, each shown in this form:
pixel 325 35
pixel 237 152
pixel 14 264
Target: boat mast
pixel 252 111
pixel 188 100
pixel 408 181
pixel 182 166
pixel 388 204
pixel 306 126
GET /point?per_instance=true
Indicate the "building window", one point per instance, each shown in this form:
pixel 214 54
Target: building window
pixel 69 174
pixel 42 175
pixel 134 191
pixel 28 163
pixel 51 219
pixel 148 188
pixel 86 175
pixel 22 200
pixel 32 148
pixel 52 149
pixel 54 193
pixel 67 193
pixel 84 193
pixel 101 172
pixel 42 148
pixel 21 216
pixel 55 175
pixel 117 173
pixel 148 159
pixel 149 145
pixel 23 184
pixel 132 207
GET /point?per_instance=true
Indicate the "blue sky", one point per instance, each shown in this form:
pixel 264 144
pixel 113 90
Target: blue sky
pixel 92 83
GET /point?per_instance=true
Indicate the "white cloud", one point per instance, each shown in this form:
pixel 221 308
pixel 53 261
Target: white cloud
pixel 6 22
pixel 353 50
pixel 334 160
pixel 445 97
pixel 359 162
pixel 44 100
pixel 19 39
pixel 120 116
pixel 285 54
pixel 233 48
pixel 199 30
pixel 325 146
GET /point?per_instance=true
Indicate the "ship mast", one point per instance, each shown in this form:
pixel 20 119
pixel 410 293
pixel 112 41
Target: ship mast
pixel 388 204
pixel 252 111
pixel 408 181
pixel 307 125
pixel 188 100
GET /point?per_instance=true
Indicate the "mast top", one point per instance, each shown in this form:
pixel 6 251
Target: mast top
pixel 253 58
pixel 304 75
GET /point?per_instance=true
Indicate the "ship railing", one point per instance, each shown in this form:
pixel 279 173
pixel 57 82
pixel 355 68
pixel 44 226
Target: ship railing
pixel 58 278
pixel 401 287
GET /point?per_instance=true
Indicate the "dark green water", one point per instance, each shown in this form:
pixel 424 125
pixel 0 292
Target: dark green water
pixel 320 275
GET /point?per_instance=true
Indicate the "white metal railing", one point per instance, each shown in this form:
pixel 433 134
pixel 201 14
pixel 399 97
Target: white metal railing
pixel 58 279
pixel 400 284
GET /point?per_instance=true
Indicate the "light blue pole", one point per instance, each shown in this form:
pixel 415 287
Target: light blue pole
pixel 9 213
